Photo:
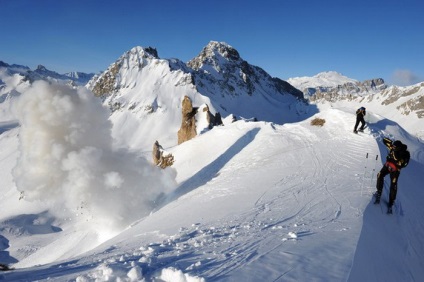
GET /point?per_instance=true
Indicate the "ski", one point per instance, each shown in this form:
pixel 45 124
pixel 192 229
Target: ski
pixel 389 208
pixel 376 202
pixel 377 199
pixel 5 267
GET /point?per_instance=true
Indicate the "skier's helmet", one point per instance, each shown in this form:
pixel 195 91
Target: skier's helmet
pixel 397 145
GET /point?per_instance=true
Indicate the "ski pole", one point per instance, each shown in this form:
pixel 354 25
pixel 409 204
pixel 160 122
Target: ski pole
pixel 363 176
pixel 373 171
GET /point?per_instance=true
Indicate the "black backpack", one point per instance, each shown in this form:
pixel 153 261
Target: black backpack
pixel 405 155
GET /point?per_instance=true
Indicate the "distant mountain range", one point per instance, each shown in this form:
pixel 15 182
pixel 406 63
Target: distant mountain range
pixel 144 92
pixel 333 87
pixel 42 72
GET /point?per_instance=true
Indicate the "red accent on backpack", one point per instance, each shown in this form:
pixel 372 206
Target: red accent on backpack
pixel 391 166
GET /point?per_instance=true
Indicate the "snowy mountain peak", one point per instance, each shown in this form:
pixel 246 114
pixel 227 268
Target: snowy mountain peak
pixel 124 72
pixel 333 75
pixel 322 79
pixel 222 49
pixel 41 68
pixel 143 52
pixel 220 69
pixel 215 54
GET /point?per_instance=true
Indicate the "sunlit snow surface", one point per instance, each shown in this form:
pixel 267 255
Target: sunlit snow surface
pixel 252 201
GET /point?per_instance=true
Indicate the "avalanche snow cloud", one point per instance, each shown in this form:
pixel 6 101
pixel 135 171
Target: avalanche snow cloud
pixel 67 159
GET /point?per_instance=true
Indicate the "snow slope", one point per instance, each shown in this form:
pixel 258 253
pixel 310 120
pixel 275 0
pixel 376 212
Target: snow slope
pixel 253 202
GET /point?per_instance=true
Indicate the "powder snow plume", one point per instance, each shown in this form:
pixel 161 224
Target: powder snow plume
pixel 67 159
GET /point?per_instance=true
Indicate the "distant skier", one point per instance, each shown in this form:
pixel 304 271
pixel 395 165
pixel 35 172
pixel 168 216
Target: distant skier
pixel 397 159
pixel 360 114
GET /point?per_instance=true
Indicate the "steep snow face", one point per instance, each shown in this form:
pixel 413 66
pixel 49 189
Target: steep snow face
pixel 145 94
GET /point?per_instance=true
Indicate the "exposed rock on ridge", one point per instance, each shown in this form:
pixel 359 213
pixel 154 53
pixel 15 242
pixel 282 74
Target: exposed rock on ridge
pixel 159 157
pixel 187 130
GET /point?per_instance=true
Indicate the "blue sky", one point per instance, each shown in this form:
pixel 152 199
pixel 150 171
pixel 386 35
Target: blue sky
pixel 287 38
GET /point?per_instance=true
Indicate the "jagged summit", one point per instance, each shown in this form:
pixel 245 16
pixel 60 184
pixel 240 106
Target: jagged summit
pixel 124 72
pixel 219 68
pixel 142 52
pixel 214 54
pixel 41 68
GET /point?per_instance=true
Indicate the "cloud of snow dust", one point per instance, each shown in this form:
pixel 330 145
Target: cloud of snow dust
pixel 67 159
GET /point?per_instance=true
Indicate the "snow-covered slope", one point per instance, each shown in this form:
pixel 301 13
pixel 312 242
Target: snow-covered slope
pixel 266 203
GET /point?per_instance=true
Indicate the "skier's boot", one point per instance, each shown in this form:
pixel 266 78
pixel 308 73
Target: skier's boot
pixel 377 198
pixel 355 131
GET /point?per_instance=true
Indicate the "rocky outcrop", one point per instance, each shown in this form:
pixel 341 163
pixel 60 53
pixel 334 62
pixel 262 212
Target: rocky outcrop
pixel 188 123
pixel 159 158
pixel 212 119
pixel 106 82
pixel 188 129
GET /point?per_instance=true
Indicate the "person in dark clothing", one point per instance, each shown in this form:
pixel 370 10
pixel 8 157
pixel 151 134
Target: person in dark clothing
pixel 360 114
pixel 397 159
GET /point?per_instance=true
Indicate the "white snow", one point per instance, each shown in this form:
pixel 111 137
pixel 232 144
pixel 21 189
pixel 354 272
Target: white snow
pixel 248 201
pixel 323 79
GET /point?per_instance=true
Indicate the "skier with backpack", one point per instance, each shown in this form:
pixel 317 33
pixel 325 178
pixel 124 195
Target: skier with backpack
pixel 360 114
pixel 397 159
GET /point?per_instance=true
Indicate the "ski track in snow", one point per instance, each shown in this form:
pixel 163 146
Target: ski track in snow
pixel 329 179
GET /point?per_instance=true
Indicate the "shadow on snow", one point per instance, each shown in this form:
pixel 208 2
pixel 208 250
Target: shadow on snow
pixel 210 171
